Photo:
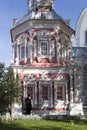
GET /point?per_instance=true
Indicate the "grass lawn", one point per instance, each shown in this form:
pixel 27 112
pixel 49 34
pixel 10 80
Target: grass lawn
pixel 44 125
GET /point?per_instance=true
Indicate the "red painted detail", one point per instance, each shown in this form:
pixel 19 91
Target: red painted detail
pixel 35 60
pixel 22 76
pixel 38 29
pixel 53 60
pixel 46 64
pixel 65 63
pixel 52 76
pixel 26 31
pixel 53 38
pixel 67 76
pixel 21 63
pixel 59 61
pixel 28 39
pixel 38 76
pixel 35 38
pixel 45 109
pixel 44 60
pixel 28 61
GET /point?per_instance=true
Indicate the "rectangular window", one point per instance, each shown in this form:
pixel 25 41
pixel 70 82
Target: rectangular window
pixel 30 91
pixel 60 93
pixel 45 92
pixel 28 49
pixel 85 37
pixel 44 49
pixel 22 51
pixel 63 52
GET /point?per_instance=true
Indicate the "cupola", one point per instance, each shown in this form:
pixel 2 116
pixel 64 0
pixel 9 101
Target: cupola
pixel 38 4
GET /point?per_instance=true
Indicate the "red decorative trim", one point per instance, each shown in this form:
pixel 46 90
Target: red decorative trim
pixel 47 109
pixel 52 76
pixel 46 64
pixel 28 61
pixel 35 38
pixel 38 29
pixel 22 76
pixel 53 60
pixel 44 60
pixel 21 63
pixel 67 76
pixel 59 61
pixel 26 31
pixel 38 76
pixel 65 63
pixel 35 60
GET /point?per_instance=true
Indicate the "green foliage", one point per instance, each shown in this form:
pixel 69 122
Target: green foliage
pixel 43 125
pixel 10 88
pixel 12 85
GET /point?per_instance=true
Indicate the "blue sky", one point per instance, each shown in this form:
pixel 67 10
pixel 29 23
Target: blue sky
pixel 9 9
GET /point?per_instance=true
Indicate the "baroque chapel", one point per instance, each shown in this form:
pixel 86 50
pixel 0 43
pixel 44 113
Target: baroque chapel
pixel 42 50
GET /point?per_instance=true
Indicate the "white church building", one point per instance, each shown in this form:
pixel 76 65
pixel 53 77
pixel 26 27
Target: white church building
pixel 79 55
pixel 50 59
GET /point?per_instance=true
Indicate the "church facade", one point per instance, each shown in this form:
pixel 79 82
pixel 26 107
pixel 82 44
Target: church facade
pixel 42 50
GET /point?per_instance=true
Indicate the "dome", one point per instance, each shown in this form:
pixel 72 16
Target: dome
pixel 39 9
pixel 50 15
pixel 33 4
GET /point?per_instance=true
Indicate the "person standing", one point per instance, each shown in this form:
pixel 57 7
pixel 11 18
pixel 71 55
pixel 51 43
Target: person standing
pixel 28 105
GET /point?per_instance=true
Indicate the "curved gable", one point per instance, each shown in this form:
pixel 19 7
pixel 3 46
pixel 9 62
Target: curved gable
pixel 81 28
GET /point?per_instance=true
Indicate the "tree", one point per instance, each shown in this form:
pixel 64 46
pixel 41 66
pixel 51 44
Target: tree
pixel 10 88
pixel 3 103
pixel 13 88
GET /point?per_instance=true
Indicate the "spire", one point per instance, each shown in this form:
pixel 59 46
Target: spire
pixel 34 4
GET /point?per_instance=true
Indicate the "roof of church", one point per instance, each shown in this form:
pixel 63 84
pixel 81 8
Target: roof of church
pixel 51 15
pixel 79 52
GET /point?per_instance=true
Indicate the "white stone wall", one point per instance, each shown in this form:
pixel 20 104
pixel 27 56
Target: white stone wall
pixel 81 28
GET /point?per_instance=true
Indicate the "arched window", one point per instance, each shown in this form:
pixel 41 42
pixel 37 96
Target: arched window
pixel 44 49
pixel 86 37
pixel 22 51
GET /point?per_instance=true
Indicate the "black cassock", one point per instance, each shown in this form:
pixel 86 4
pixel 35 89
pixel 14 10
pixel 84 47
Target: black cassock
pixel 28 106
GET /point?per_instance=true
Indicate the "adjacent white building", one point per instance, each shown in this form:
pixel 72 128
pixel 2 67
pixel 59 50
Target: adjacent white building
pixel 79 56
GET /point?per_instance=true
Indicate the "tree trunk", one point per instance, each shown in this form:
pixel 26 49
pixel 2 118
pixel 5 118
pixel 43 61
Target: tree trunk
pixel 11 113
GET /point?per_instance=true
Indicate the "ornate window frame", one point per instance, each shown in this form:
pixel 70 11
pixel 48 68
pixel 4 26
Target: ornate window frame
pixel 43 48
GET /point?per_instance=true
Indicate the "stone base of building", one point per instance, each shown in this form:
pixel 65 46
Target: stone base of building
pixel 76 109
pixel 17 109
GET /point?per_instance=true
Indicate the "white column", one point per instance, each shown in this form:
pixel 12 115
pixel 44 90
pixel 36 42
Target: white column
pixel 79 83
pixel 35 48
pixel 25 50
pixel 13 53
pixel 17 58
pixel 31 42
pixel 71 86
pixel 66 93
pixel 17 51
